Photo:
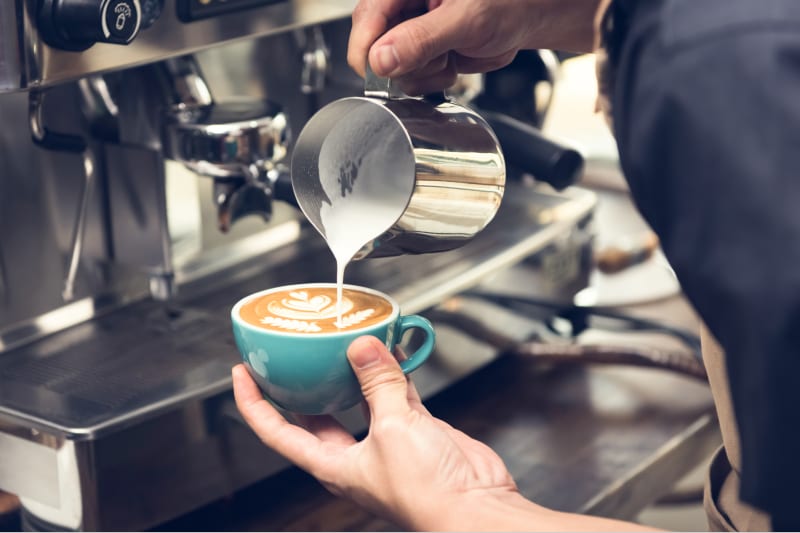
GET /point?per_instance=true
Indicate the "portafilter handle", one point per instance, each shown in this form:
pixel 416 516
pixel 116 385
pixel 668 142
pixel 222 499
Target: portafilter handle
pixel 526 148
pixel 50 140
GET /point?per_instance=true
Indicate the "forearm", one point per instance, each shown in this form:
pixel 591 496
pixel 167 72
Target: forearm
pixel 510 511
pixel 567 25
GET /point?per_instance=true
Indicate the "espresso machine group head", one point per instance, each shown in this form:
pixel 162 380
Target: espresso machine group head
pixel 241 144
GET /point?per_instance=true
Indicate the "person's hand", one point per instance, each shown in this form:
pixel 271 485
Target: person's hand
pixel 424 44
pixel 409 468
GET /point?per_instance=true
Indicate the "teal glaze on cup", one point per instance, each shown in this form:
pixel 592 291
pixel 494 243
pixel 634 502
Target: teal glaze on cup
pixel 309 373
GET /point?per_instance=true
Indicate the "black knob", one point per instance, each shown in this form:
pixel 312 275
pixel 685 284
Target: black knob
pixel 78 24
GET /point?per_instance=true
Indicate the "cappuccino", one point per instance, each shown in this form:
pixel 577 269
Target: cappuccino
pixel 313 310
pixel 291 345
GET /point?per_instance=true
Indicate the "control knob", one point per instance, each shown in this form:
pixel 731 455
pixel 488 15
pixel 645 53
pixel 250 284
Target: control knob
pixel 78 24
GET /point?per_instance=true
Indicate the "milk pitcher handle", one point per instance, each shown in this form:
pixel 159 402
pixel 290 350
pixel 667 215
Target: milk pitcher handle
pixel 377 87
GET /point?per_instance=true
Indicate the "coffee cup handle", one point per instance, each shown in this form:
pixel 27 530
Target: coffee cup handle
pixel 416 359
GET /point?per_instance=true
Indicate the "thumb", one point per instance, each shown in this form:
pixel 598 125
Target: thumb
pixel 382 381
pixel 416 42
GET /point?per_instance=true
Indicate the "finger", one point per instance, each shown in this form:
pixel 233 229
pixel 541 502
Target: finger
pixel 413 397
pixel 436 76
pixel 365 412
pixel 293 442
pixel 400 356
pixel 382 381
pixel 417 86
pixel 434 67
pixel 471 65
pixel 416 42
pixel 325 428
pixel 437 64
pixel 371 18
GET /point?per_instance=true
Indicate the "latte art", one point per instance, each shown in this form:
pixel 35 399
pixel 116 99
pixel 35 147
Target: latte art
pixel 313 310
pixel 299 305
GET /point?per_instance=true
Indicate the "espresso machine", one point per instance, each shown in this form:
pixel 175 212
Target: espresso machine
pixel 144 189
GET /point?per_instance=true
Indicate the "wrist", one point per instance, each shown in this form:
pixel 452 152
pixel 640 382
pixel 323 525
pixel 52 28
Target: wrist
pixel 508 510
pixel 484 510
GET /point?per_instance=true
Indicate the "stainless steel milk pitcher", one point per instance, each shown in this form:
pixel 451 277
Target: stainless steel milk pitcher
pixel 436 167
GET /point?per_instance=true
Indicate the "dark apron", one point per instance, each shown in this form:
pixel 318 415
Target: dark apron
pixel 721 499
pixel 725 511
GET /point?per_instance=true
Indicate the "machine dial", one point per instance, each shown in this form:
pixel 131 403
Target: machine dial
pixel 78 24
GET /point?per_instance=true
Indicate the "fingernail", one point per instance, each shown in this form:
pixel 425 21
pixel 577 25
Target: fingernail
pixel 365 354
pixel 387 59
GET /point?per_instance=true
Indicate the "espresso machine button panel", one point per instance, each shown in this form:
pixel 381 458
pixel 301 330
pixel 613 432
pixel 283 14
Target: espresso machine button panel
pixel 78 24
pixel 47 42
pixel 190 10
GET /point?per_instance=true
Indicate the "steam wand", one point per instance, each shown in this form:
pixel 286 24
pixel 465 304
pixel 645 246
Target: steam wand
pixel 70 143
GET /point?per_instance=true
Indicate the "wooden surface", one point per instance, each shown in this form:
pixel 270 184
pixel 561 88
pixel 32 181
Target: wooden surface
pixel 601 440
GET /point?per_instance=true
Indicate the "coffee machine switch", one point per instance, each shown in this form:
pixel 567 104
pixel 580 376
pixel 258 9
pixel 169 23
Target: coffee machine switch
pixel 78 24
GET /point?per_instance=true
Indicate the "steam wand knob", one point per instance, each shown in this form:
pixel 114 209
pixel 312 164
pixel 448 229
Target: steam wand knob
pixel 76 25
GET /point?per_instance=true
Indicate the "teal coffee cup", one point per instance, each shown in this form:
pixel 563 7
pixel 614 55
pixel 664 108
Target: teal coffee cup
pixel 294 346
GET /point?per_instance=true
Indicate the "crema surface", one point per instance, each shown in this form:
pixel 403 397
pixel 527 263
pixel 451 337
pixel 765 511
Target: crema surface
pixel 313 310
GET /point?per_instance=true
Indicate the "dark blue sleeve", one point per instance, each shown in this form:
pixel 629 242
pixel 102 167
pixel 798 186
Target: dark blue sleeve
pixel 707 117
